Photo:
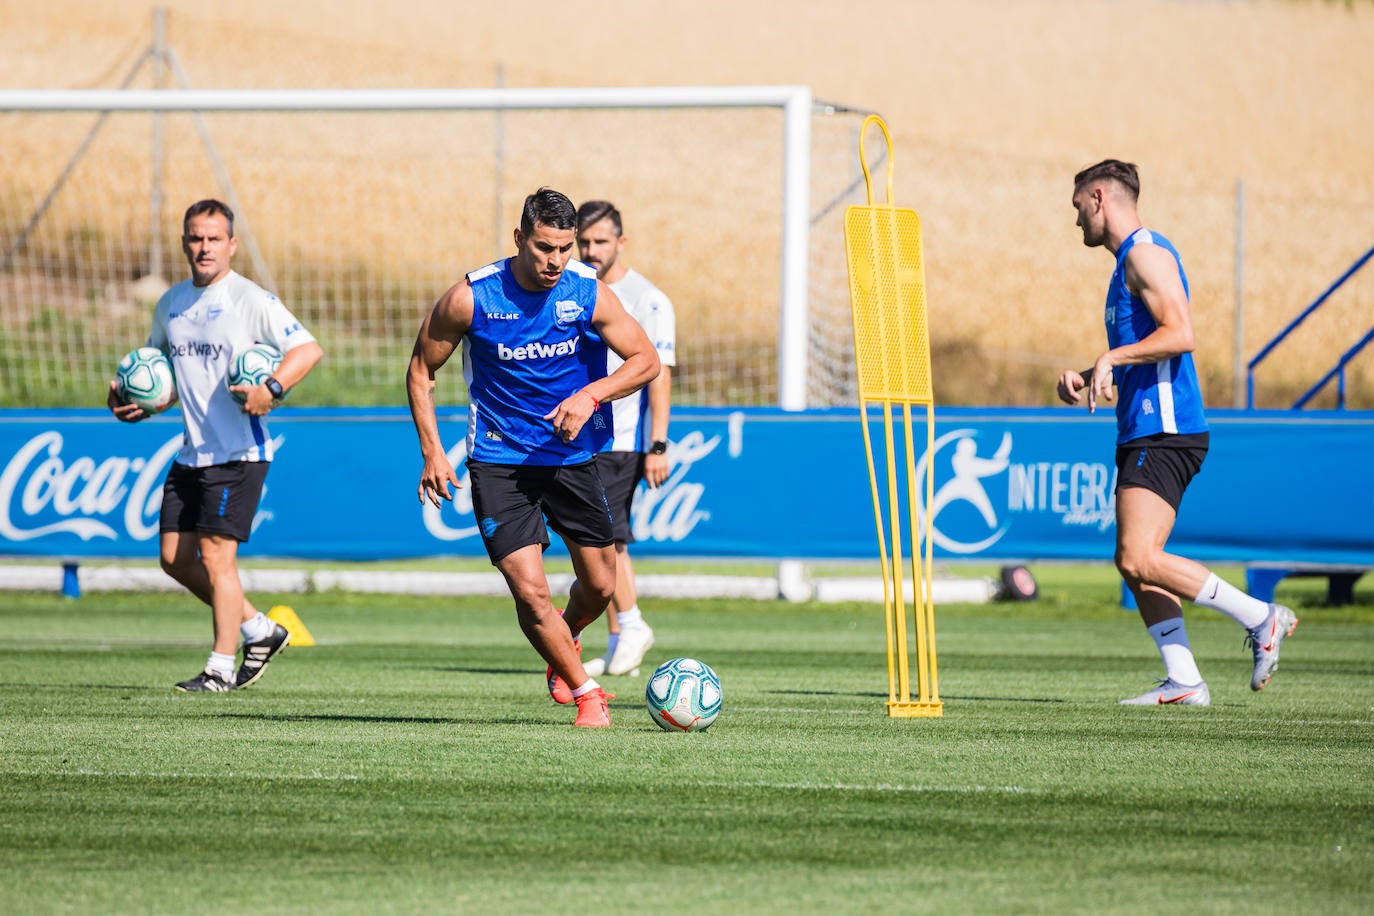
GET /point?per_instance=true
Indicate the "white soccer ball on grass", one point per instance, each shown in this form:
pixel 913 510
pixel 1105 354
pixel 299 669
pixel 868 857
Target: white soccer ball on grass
pixel 683 695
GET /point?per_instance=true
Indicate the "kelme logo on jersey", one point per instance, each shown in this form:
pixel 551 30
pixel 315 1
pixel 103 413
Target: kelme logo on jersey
pixel 537 350
pixel 567 311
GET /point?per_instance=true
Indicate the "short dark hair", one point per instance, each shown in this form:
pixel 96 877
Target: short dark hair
pixel 594 211
pixel 1124 173
pixel 549 208
pixel 208 207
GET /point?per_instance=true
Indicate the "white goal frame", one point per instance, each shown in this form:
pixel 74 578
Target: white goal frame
pixel 795 102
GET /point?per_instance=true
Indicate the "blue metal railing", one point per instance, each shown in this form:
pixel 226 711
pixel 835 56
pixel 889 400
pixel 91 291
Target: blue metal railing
pixel 1337 371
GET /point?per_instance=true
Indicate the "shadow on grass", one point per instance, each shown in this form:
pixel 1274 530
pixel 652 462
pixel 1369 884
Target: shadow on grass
pixel 867 695
pixel 1003 699
pixel 30 686
pixel 451 669
pixel 380 720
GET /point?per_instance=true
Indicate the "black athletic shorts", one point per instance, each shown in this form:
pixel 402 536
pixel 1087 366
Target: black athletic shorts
pixel 1163 464
pixel 216 499
pixel 621 473
pixel 511 502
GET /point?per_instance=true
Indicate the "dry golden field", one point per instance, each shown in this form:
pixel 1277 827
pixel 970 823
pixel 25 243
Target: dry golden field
pixel 993 107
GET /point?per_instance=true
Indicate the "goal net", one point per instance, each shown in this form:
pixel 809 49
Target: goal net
pixel 358 220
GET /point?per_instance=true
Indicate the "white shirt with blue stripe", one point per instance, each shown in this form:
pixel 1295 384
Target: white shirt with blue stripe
pixel 649 306
pixel 201 329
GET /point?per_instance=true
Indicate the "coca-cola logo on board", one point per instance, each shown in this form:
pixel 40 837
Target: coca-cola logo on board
pixel 44 492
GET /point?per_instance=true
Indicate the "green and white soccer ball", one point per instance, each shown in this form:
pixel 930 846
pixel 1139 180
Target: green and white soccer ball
pixel 252 367
pixel 683 695
pixel 145 377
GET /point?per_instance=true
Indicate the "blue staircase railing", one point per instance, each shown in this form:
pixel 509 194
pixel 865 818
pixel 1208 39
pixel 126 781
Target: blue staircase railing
pixel 1337 371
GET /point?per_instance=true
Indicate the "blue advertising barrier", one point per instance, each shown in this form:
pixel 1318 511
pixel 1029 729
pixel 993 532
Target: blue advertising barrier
pixel 1017 484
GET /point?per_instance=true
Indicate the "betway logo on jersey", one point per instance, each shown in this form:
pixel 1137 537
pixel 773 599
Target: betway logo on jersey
pixel 537 350
pixel 212 350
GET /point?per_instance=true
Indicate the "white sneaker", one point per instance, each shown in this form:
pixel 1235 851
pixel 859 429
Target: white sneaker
pixel 595 667
pixel 634 644
pixel 1265 641
pixel 1171 692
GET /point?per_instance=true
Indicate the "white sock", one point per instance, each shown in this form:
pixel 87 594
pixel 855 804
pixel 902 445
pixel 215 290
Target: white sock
pixel 585 688
pixel 1172 640
pixel 259 627
pixel 223 665
pixel 631 618
pixel 1220 595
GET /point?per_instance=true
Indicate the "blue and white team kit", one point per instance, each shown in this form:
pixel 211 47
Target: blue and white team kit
pixel 201 329
pixel 517 365
pixel 1154 398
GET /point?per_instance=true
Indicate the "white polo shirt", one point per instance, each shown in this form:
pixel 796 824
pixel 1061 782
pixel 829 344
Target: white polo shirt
pixel 648 305
pixel 201 329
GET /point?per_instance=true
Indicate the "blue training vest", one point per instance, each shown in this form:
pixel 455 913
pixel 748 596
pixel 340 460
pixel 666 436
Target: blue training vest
pixel 525 352
pixel 1154 398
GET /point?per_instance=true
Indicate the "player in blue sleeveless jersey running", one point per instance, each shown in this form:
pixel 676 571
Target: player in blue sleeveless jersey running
pixel 539 411
pixel 1162 435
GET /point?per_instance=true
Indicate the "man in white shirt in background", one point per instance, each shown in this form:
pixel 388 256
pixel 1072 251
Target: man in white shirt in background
pixel 639 450
pixel 213 487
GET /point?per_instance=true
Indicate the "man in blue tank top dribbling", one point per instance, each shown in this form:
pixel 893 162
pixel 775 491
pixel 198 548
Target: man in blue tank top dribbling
pixel 1162 435
pixel 539 411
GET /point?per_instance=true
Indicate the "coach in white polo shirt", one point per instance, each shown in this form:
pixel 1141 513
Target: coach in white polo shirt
pixel 214 485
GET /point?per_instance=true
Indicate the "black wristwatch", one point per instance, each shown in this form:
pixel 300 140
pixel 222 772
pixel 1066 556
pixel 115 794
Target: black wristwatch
pixel 659 447
pixel 274 386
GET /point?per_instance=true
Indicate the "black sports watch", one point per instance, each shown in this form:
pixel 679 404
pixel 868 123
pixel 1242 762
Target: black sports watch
pixel 274 386
pixel 659 447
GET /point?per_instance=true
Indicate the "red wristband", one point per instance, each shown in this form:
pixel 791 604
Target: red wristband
pixel 596 405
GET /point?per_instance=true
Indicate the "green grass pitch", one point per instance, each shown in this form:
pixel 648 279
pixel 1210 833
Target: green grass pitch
pixel 411 762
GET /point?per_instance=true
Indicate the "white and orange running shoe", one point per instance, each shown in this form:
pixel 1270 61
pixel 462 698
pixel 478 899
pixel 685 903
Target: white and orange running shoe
pixel 1170 692
pixel 1266 639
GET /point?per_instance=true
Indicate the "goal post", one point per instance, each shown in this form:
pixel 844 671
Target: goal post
pixel 32 278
